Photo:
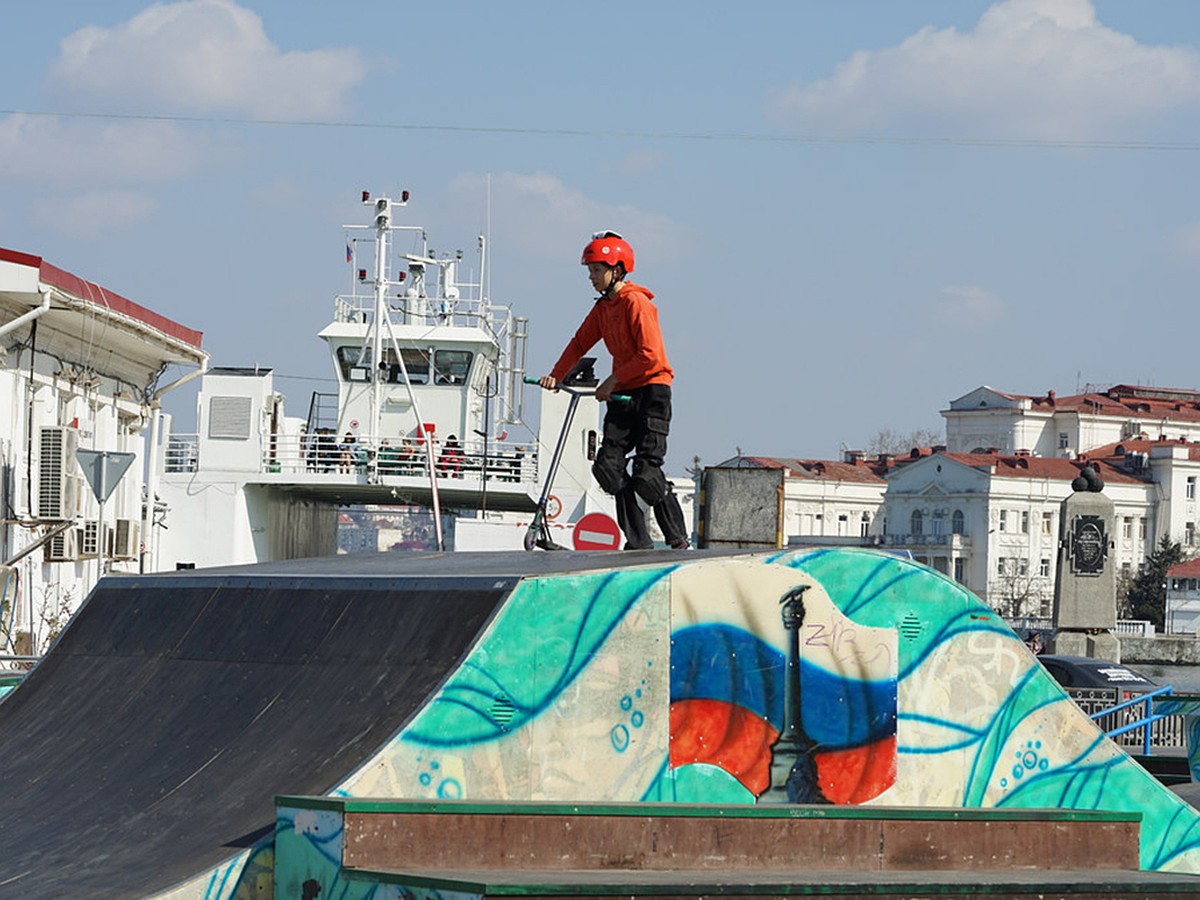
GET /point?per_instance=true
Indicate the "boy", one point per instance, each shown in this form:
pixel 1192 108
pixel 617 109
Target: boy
pixel 626 319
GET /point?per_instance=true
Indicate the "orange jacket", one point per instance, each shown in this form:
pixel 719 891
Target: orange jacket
pixel 628 323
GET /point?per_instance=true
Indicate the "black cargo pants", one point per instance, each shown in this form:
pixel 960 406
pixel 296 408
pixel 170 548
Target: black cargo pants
pixel 641 425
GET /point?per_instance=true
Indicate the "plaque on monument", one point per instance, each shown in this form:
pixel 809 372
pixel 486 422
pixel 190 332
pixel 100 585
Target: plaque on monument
pixel 1089 545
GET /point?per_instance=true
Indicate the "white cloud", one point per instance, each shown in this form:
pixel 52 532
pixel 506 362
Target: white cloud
pixel 544 214
pixel 95 213
pixel 1029 69
pixel 201 56
pixel 969 306
pixel 59 153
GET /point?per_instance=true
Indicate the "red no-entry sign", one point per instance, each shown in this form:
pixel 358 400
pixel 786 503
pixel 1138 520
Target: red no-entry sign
pixel 596 531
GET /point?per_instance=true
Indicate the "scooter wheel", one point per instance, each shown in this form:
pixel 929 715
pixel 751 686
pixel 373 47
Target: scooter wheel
pixel 530 540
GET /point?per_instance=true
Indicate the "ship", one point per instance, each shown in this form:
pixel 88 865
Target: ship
pixel 428 424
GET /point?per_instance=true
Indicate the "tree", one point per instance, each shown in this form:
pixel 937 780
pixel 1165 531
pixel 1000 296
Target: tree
pixel 888 440
pixel 1148 592
pixel 1124 583
pixel 1018 594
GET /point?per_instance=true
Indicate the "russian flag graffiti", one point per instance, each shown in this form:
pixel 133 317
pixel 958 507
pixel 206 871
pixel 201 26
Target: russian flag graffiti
pixel 727 690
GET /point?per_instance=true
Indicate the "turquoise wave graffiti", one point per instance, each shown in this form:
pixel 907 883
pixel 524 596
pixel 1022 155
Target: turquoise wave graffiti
pixel 551 626
pixel 877 589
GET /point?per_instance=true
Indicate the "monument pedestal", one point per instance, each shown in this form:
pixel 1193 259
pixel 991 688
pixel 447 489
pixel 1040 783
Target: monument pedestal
pixel 1103 645
pixel 1085 602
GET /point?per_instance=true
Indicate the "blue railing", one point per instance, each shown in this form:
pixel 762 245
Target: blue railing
pixel 1146 722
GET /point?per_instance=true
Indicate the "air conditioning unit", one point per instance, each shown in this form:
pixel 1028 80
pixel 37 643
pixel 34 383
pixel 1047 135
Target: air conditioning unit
pixel 62 547
pixel 88 539
pixel 123 539
pixel 57 484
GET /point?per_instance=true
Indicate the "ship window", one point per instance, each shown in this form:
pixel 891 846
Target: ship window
pixel 355 364
pixel 416 361
pixel 451 366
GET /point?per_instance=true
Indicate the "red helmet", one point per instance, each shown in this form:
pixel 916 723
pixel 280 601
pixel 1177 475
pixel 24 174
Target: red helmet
pixel 610 248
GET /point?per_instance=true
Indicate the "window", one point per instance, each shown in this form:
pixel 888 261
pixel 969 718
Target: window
pixel 1044 568
pixel 1003 520
pixel 1023 566
pixel 1024 522
pixel 1142 528
pixel 918 522
pixel 1000 567
pixel 1189 533
pixel 958 570
pixel 1191 487
pixel 957 525
pixel 864 527
pixel 1127 528
pixel 1064 440
pixel 415 361
pixel 451 366
pixel 1047 523
pixel 842 520
pixel 355 364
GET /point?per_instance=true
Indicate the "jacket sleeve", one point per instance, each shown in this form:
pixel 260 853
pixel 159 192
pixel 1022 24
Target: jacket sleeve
pixel 583 341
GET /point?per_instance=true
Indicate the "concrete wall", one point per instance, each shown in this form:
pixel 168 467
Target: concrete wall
pixel 1167 650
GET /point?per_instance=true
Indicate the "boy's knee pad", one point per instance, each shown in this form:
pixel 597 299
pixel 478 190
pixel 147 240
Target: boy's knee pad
pixel 609 469
pixel 649 481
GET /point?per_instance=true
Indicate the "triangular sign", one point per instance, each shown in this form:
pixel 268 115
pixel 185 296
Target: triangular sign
pixel 103 469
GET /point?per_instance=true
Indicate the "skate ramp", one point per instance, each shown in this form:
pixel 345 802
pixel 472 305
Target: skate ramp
pixel 669 682
pixel 148 745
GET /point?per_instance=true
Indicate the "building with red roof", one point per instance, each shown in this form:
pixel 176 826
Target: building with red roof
pixel 1183 598
pixel 984 508
pixel 83 368
pixel 1053 426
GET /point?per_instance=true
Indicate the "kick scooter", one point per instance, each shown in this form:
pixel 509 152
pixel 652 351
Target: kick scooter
pixel 538 533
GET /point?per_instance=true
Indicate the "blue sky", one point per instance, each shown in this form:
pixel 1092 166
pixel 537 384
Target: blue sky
pixel 851 212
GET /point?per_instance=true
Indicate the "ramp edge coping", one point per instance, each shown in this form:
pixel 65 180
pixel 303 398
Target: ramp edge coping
pixel 702 810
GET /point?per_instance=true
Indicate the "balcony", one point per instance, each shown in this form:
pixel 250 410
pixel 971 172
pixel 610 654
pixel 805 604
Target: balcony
pixel 951 541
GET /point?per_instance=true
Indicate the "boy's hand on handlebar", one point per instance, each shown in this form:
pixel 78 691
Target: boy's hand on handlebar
pixel 607 386
pixel 549 382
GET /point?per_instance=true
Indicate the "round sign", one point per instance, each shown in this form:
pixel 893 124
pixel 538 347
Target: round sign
pixel 596 531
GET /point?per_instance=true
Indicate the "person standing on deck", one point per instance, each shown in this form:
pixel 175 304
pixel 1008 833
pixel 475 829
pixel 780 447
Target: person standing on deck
pixel 625 317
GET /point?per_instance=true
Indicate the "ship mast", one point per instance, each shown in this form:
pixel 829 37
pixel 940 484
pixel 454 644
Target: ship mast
pixel 383 223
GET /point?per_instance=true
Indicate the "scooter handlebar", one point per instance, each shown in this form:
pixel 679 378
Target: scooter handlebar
pixel 615 398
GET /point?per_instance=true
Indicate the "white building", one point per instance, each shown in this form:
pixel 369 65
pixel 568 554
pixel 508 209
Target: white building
pixel 984 508
pixel 991 521
pixel 80 368
pixel 1050 425
pixel 1183 598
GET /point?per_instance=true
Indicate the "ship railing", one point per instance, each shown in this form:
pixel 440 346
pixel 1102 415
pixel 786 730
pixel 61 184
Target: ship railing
pixel 463 311
pixel 182 453
pixel 381 457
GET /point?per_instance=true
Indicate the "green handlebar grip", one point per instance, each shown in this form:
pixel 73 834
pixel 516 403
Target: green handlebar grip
pixel 529 379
